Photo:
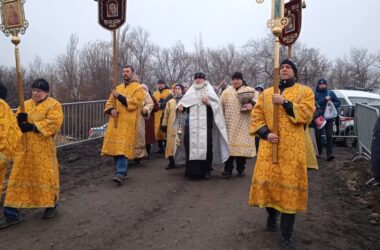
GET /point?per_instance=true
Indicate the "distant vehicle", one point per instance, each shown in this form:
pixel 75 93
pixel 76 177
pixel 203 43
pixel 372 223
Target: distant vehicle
pixel 97 131
pixel 344 126
pixel 351 97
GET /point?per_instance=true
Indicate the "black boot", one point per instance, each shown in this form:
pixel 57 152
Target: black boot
pixel 49 212
pixel 148 147
pixel 240 166
pixel 161 149
pixel 137 162
pixel 330 157
pixel 207 175
pixel 171 164
pixel 286 244
pixel 271 220
pixel 228 167
pixel 287 224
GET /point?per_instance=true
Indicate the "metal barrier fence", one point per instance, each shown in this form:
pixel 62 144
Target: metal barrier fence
pixel 344 126
pixel 79 118
pixel 365 120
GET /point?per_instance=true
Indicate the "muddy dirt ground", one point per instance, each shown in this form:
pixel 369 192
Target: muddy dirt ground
pixel 160 209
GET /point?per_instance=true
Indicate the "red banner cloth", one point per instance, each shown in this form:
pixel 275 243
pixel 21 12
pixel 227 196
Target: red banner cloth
pixel 290 33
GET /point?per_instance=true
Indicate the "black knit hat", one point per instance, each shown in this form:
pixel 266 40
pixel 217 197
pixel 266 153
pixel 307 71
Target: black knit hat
pixel 199 75
pixel 237 75
pixel 292 65
pixel 322 81
pixel 3 91
pixel 41 84
pixel 161 81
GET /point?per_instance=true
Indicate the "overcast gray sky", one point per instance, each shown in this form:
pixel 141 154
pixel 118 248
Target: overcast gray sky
pixel 333 26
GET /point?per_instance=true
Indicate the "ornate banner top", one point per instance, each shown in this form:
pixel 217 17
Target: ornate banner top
pixel 112 13
pixel 290 33
pixel 13 17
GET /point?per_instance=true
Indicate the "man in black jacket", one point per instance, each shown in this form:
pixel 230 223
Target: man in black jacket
pixel 375 152
pixel 322 97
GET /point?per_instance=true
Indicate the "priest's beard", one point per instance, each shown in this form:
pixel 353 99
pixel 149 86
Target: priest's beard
pixel 199 85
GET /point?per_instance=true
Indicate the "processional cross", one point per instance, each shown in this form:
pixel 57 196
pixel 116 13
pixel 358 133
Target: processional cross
pixel 13 23
pixel 276 23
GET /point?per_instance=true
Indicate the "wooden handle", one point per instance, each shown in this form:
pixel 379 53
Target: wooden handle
pixel 115 72
pixel 276 80
pixel 20 89
pixel 115 119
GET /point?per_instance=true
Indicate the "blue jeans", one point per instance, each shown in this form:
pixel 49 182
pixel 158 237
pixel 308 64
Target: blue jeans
pixel 328 128
pixel 121 165
pixel 12 213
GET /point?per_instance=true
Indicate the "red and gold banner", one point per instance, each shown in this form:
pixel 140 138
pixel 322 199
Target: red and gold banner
pixel 112 13
pixel 290 33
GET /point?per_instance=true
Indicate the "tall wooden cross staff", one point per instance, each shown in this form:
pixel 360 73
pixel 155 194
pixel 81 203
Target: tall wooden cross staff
pixel 13 22
pixel 112 15
pixel 276 23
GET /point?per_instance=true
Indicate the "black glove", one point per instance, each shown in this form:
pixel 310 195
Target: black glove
pixel 164 128
pixel 22 117
pixel 26 127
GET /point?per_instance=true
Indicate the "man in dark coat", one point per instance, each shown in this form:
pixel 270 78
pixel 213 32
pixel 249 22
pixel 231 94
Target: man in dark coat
pixel 322 97
pixel 375 152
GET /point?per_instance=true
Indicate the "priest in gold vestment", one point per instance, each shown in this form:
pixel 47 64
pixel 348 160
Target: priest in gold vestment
pixel 10 134
pixel 120 141
pixel 34 179
pixel 282 187
pixel 161 94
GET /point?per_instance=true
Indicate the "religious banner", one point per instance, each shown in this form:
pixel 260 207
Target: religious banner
pixel 112 13
pixel 12 17
pixel 290 33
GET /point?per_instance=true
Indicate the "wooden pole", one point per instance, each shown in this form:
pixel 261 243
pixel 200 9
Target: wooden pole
pixel 276 79
pixel 20 90
pixel 290 52
pixel 115 72
pixel 277 26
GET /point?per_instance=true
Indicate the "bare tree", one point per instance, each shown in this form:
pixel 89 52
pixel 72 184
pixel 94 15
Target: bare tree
pixel 173 64
pixel 258 55
pixel 360 70
pixel 311 64
pixel 218 64
pixel 8 78
pixel 339 74
pixel 96 70
pixel 363 71
pixel 36 69
pixel 223 62
pixel 124 46
pixel 86 74
pixel 137 50
pixel 68 72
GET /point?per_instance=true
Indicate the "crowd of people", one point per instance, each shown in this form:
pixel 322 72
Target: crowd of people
pixel 197 126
